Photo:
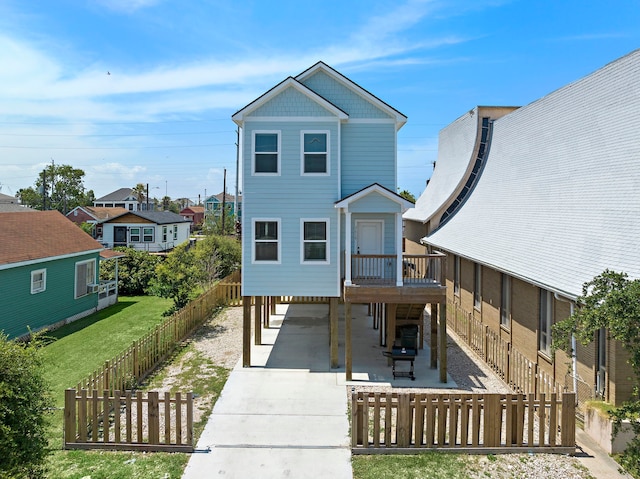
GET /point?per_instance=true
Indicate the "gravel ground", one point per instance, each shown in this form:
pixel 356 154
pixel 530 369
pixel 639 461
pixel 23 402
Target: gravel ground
pixel 221 341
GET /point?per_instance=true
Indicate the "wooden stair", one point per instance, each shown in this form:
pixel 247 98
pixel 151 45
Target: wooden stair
pixel 411 314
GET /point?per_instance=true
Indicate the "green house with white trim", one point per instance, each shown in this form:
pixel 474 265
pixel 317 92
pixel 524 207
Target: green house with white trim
pixel 49 272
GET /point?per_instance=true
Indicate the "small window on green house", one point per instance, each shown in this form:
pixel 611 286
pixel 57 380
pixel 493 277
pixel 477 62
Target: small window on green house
pixel 38 281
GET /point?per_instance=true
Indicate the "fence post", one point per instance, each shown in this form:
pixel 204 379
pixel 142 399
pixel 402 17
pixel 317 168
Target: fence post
pixel 69 416
pixel 507 373
pixel 404 420
pixel 568 421
pixel 154 417
pixel 106 376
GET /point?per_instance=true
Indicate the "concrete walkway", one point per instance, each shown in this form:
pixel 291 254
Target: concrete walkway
pixel 284 417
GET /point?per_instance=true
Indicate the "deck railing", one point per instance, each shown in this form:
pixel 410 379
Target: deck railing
pixel 374 269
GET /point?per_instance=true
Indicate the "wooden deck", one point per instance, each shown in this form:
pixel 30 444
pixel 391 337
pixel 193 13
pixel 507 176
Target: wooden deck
pixel 374 279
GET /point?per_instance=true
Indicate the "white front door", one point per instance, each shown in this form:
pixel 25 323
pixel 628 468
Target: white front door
pixel 369 237
pixel 369 241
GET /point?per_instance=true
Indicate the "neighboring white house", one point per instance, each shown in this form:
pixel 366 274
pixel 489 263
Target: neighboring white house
pixel 152 231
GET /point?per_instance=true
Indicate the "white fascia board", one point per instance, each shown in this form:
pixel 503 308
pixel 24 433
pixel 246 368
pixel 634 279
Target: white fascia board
pixel 400 119
pixel 405 204
pixel 239 117
pixel 47 259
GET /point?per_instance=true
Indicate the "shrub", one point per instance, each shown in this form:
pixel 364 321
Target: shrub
pixel 135 271
pixel 24 402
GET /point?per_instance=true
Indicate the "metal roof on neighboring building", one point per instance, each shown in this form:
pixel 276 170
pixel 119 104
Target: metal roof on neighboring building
pixel 558 201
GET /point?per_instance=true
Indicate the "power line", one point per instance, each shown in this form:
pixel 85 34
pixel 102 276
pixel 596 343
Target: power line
pixel 118 134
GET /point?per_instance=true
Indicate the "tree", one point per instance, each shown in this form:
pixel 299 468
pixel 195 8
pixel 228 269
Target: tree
pixel 58 187
pixel 177 277
pixel 135 271
pixel 24 401
pixel 611 301
pixel 407 196
pixel 213 224
pixel 140 191
pixel 219 255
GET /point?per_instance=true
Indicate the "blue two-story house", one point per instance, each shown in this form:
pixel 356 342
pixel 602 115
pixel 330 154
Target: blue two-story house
pixel 321 216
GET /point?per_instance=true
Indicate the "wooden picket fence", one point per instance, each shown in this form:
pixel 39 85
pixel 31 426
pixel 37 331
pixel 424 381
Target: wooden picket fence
pixel 130 367
pixel 124 420
pixel 471 423
pixel 513 367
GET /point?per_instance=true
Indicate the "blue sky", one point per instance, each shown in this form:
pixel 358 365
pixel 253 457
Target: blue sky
pixel 179 69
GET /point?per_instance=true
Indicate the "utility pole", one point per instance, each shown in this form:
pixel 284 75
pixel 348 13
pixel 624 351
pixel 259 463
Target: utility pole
pixel 224 198
pixel 44 189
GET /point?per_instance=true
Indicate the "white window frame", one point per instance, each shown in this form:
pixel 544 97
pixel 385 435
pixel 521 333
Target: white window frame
pixel 505 301
pixel 175 232
pixel 278 240
pixel 326 153
pixel 43 282
pixel 164 234
pixel 477 286
pixel 90 279
pixel 325 241
pixel 144 235
pixel 132 234
pixel 545 322
pixel 278 153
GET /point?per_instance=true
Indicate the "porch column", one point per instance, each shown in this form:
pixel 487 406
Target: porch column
pixel 333 331
pixel 246 331
pixel 442 349
pixel 434 335
pixel 347 249
pixel 399 279
pixel 347 340
pixel 390 313
pixel 257 335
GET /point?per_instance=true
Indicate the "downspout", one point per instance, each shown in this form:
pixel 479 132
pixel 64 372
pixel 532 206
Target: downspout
pixel 574 357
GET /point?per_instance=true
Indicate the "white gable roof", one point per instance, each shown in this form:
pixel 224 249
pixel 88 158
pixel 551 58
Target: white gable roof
pixel 558 201
pixel 374 188
pixel 290 82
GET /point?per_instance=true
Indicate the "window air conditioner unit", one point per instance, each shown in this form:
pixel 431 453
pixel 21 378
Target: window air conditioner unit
pixel 93 288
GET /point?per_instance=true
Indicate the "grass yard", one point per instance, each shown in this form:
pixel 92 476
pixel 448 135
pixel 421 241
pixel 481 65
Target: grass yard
pixel 84 345
pixel 420 466
pixel 79 348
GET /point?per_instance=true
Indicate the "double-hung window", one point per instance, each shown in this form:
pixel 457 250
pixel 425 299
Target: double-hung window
pixel 175 232
pixel 164 234
pixel 85 276
pixel 266 243
pixel 134 235
pixel 38 281
pixel 546 320
pixel 266 152
pixel 315 152
pixel 147 235
pixel 315 240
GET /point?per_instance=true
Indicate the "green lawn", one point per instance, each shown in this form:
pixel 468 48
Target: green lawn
pixel 84 345
pixel 79 348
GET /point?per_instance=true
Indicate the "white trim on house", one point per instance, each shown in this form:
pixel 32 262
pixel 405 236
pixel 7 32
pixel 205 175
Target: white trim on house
pixel 48 258
pixel 278 152
pixel 240 116
pixel 89 279
pixel 326 241
pixel 400 119
pixel 327 152
pixel 278 240
pixel 294 119
pixel 43 282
